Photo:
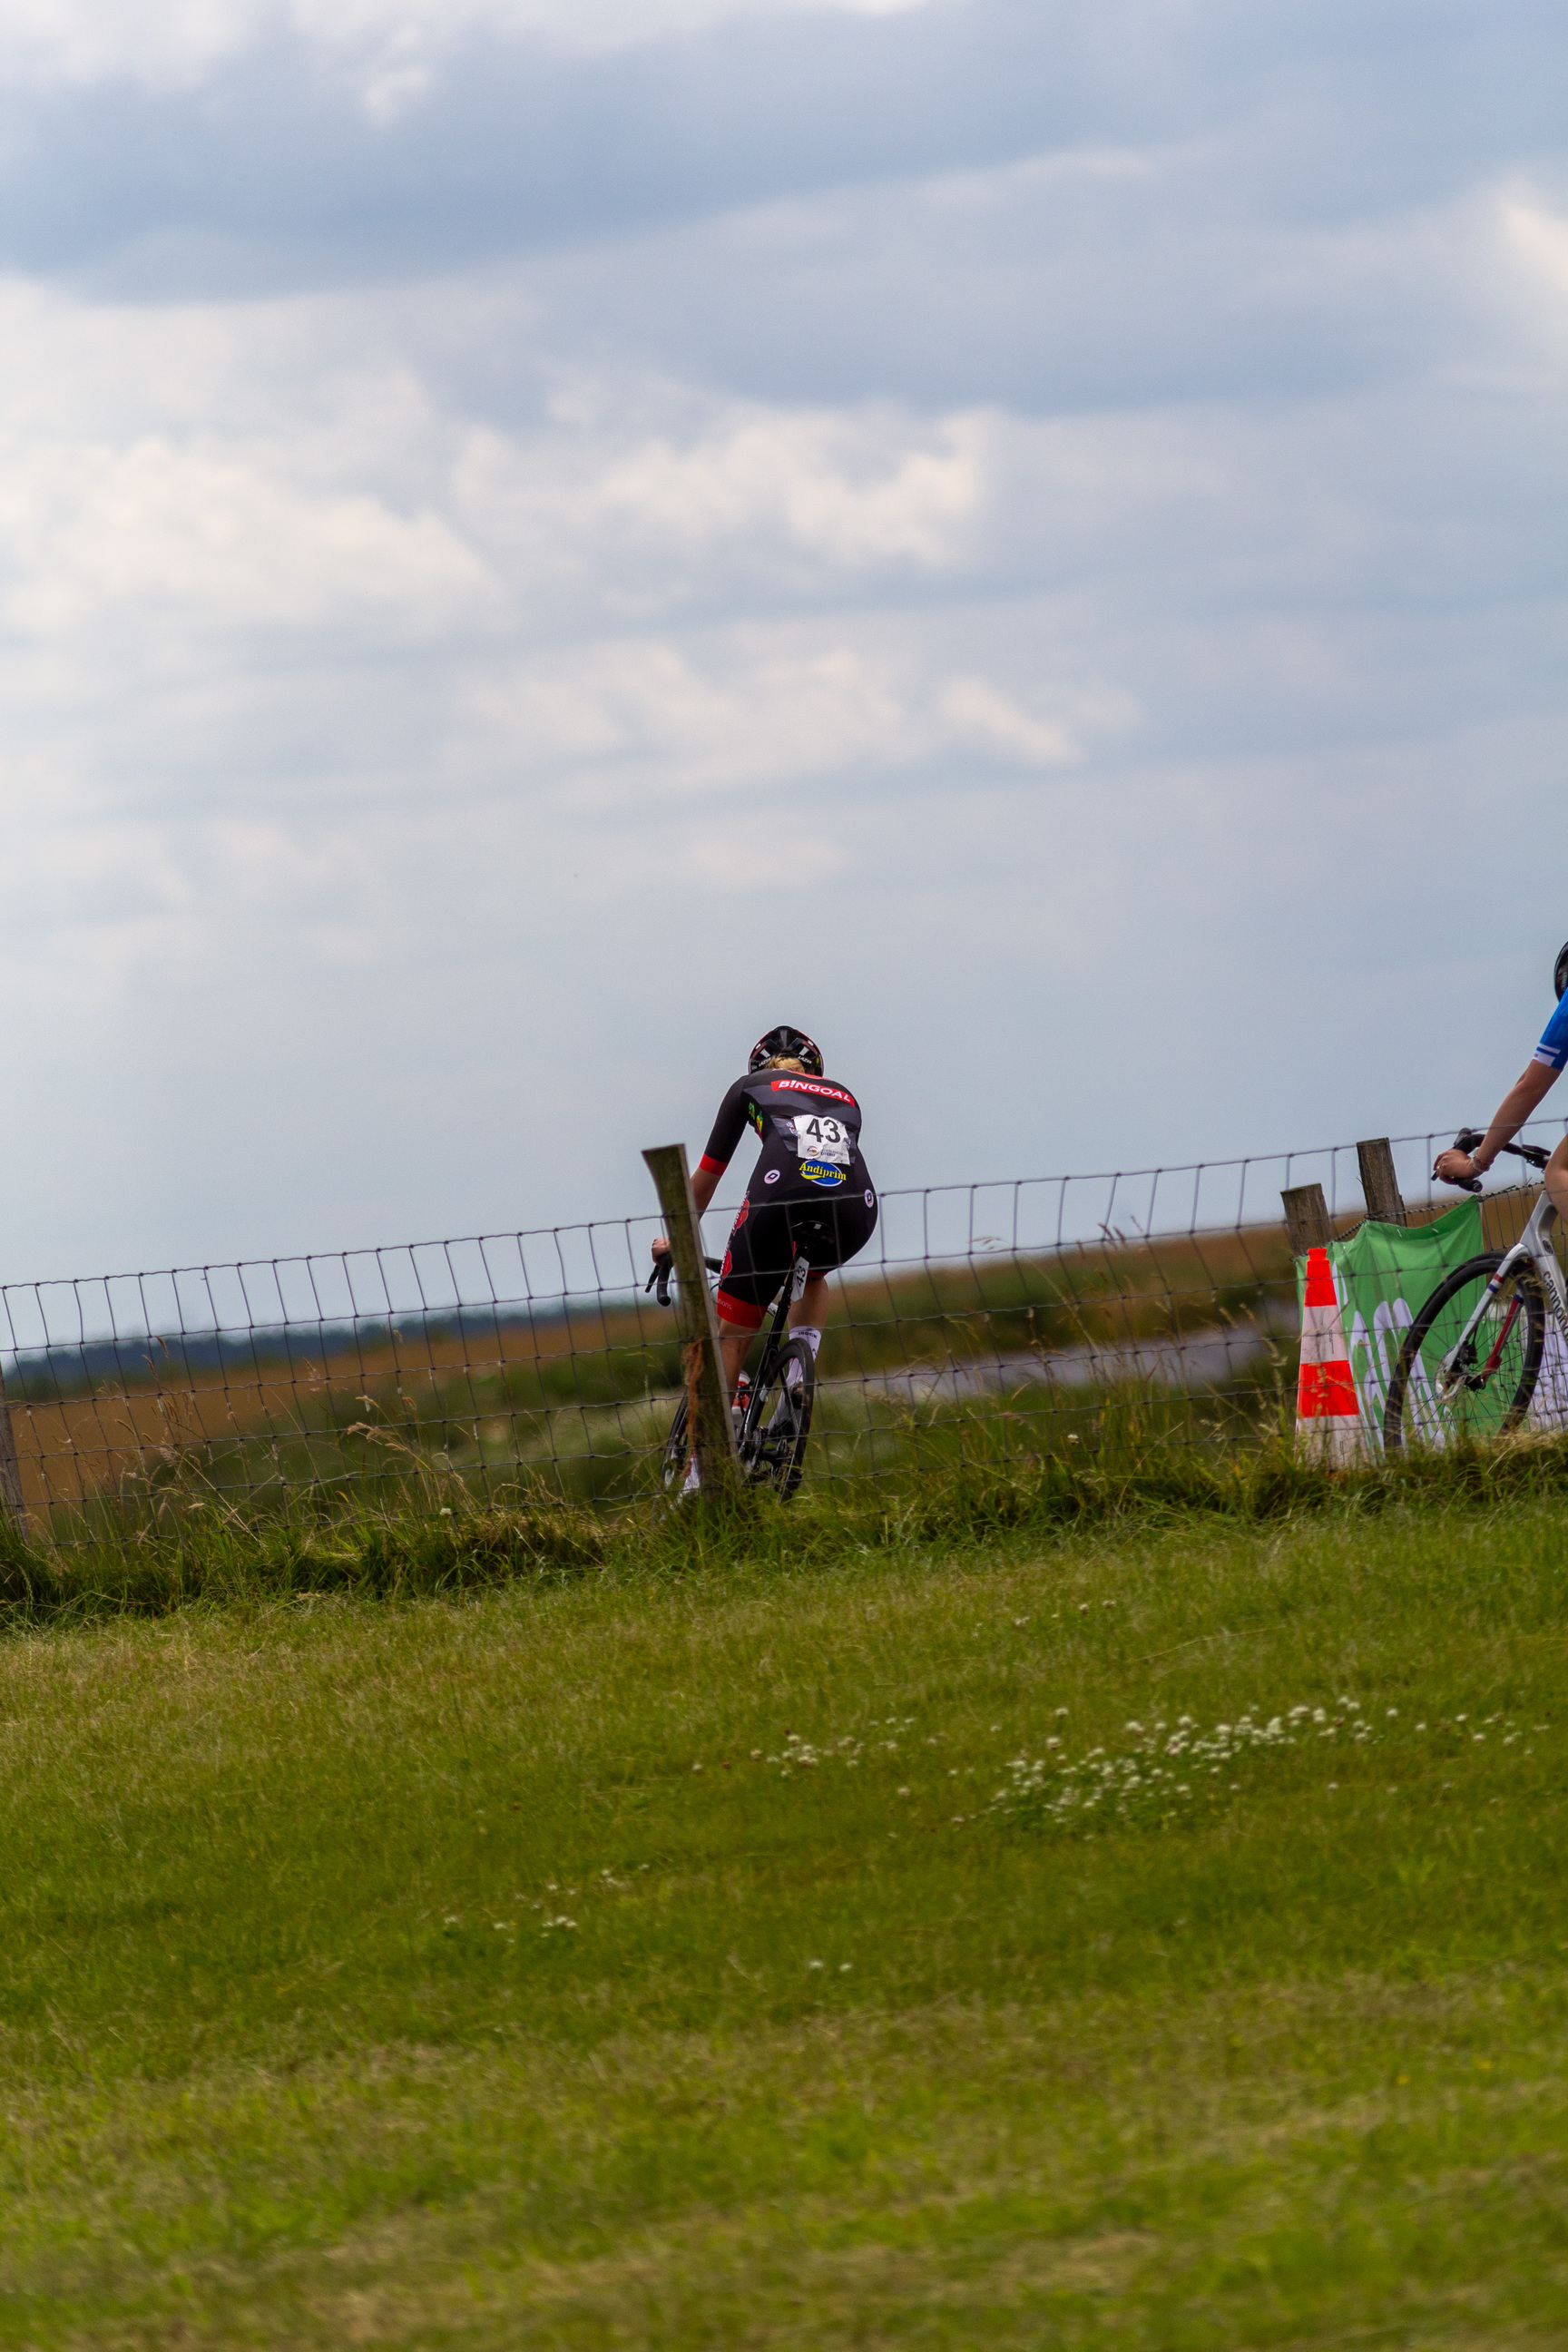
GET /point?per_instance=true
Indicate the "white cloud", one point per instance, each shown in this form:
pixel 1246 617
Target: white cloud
pixel 221 539
pixel 783 493
pixel 838 486
pixel 752 710
pixel 977 710
pixel 1537 242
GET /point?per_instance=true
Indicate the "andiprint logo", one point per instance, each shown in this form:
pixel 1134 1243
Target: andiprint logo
pixel 816 1173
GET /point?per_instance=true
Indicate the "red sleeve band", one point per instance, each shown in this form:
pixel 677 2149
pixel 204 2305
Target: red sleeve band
pixel 714 1167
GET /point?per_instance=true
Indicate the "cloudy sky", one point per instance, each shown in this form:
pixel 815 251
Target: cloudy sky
pixel 539 537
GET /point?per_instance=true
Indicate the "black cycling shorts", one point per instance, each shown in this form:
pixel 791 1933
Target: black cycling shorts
pixel 766 1236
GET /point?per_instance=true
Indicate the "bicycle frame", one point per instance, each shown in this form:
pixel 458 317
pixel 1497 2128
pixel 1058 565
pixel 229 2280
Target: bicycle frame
pixel 1533 1248
pixel 774 1339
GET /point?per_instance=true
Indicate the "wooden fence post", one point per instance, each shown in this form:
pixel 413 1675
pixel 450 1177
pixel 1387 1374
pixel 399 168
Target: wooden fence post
pixel 706 1397
pixel 1384 1202
pixel 11 1501
pixel 1306 1219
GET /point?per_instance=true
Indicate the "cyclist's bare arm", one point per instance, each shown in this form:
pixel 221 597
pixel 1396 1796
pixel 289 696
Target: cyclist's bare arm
pixel 1526 1094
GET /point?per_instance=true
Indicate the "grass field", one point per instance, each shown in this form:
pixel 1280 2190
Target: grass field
pixel 795 1944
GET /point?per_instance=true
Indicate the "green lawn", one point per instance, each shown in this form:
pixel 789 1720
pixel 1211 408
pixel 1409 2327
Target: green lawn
pixel 647 1961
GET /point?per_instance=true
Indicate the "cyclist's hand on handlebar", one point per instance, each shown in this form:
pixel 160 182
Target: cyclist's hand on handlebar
pixel 1456 1167
pixel 663 1267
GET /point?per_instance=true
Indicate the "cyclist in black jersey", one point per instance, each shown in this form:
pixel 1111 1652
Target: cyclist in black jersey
pixel 810 1192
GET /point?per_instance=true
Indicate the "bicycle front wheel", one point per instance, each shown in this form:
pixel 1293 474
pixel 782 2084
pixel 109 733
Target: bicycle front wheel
pixel 778 1421
pixel 1471 1361
pixel 672 1462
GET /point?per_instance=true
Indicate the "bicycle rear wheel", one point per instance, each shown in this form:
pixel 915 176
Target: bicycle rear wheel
pixel 1443 1394
pixel 778 1421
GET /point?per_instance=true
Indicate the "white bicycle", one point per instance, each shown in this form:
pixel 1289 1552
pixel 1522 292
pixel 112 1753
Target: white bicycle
pixel 1471 1359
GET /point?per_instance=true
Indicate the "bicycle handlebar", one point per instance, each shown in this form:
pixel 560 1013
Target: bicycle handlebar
pixel 1466 1142
pixel 664 1267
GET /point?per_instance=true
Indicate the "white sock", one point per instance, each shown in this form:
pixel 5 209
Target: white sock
pixel 813 1338
pixel 692 1479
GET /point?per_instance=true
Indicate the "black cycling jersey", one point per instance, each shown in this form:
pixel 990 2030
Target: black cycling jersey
pixel 810 1192
pixel 810 1130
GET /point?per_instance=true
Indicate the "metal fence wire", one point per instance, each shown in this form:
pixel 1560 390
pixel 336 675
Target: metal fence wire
pixel 532 1363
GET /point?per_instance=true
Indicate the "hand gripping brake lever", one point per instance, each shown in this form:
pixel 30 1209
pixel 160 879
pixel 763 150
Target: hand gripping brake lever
pixel 1466 1140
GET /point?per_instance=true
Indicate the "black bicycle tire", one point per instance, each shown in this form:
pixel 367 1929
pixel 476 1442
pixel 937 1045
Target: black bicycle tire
pixel 672 1461
pixel 1474 1269
pixel 781 1465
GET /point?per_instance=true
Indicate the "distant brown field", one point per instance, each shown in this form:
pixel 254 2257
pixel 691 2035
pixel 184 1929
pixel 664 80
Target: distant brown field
pixel 79 1445
pixel 415 1384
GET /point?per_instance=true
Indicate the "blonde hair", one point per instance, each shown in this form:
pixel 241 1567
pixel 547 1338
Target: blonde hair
pixel 786 1062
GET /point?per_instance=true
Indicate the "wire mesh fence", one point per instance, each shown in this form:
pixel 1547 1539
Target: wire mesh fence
pixel 533 1362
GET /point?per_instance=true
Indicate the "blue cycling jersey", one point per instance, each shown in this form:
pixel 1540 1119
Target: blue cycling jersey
pixel 1553 1048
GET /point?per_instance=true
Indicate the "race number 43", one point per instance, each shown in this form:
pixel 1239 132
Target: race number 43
pixel 816 1138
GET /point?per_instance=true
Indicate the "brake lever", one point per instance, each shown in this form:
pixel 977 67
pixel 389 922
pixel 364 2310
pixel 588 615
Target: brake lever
pixel 665 1267
pixel 662 1270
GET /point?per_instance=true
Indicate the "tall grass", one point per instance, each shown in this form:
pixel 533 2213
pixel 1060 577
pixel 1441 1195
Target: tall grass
pixel 956 1477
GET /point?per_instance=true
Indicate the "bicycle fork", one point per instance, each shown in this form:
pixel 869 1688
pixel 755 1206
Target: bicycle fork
pixel 1452 1369
pixel 1532 1249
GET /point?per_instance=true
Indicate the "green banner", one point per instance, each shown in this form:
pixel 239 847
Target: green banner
pixel 1384 1275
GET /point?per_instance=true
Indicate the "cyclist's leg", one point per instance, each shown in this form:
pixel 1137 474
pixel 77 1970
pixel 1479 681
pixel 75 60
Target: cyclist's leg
pixel 810 1307
pixel 1556 1179
pixel 756 1263
pixel 827 1234
pixel 734 1340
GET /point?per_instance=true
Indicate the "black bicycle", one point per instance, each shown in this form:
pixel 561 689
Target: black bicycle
pixel 771 1411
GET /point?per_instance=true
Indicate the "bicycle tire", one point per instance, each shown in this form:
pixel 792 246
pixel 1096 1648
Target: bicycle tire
pixel 672 1461
pixel 778 1421
pixel 1482 1405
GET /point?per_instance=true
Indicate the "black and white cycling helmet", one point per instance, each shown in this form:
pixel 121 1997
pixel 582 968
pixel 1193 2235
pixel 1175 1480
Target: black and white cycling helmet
pixel 1559 970
pixel 798 1046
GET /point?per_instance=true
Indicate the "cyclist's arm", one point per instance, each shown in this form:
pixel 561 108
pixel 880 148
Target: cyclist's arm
pixel 1527 1092
pixel 704 1184
pixel 728 1129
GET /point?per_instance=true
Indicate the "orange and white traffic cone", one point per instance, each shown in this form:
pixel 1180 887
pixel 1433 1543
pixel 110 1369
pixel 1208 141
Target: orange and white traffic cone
pixel 1328 1419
